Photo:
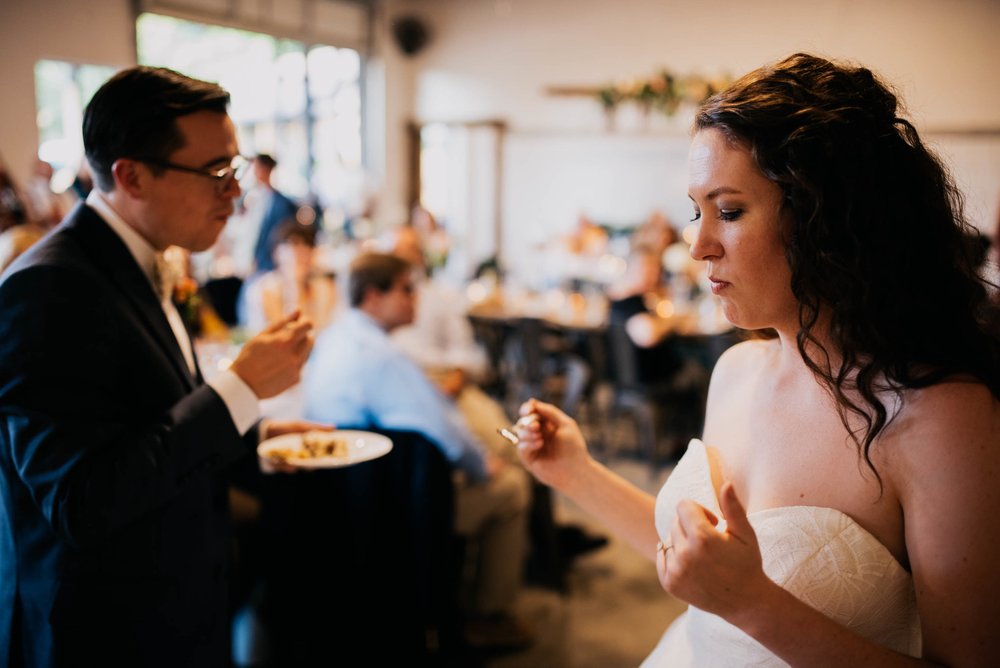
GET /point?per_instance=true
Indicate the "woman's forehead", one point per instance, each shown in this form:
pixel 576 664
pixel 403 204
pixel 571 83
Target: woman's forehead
pixel 717 164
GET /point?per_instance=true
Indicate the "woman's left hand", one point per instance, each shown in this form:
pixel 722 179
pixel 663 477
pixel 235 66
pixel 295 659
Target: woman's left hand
pixel 717 571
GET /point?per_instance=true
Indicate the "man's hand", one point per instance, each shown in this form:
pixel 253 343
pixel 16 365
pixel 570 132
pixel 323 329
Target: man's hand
pixel 273 428
pixel 271 362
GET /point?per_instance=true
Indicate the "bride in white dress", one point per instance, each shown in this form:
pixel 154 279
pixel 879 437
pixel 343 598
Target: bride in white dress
pixel 841 508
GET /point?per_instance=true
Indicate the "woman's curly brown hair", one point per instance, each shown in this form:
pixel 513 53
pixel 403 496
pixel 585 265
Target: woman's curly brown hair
pixel 876 239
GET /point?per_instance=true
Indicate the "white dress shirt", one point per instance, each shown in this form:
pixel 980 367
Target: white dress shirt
pixel 357 376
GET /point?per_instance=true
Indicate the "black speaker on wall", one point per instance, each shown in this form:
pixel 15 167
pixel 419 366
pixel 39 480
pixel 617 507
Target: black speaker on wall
pixel 411 34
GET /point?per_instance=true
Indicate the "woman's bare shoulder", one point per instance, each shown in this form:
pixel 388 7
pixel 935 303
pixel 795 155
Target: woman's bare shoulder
pixel 745 356
pixel 956 406
pixel 948 427
pixel 739 363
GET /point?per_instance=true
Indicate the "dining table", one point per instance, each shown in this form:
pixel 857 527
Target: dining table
pixel 568 322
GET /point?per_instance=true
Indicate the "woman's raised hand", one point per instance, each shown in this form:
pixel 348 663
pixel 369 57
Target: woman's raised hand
pixel 551 446
pixel 718 571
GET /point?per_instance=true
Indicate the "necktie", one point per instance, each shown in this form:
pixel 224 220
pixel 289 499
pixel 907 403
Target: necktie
pixel 164 277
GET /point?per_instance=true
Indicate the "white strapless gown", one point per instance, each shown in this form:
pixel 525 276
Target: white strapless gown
pixel 819 554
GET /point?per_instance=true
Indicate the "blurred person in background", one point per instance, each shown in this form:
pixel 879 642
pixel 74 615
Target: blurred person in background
pixel 272 206
pixel 632 304
pixel 18 230
pixel 441 341
pixel 359 376
pixel 12 208
pixel 656 234
pixel 47 207
pixel 296 282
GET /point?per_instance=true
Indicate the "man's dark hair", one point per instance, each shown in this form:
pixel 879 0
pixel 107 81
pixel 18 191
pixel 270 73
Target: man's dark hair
pixel 133 115
pixel 374 270
pixel 266 160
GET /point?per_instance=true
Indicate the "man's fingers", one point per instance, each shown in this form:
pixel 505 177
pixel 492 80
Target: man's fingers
pixel 301 327
pixel 283 322
pixel 279 427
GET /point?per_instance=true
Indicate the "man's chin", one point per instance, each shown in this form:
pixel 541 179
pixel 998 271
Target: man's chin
pixel 216 225
pixel 202 245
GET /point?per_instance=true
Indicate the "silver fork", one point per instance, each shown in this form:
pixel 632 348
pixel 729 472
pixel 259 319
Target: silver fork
pixel 508 432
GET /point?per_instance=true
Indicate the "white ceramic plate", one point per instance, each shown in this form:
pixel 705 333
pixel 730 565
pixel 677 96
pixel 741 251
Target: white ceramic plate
pixel 361 447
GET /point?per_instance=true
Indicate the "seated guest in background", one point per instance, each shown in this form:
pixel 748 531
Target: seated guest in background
pixel 841 507
pixel 19 230
pixel 656 358
pixel 17 239
pixel 587 239
pixel 114 524
pixel 434 239
pixel 672 375
pixel 13 210
pixel 295 284
pixel 358 376
pixel 656 234
pixel 440 340
pixel 46 207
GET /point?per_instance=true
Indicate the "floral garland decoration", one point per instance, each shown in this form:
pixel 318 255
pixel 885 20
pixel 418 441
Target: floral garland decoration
pixel 663 91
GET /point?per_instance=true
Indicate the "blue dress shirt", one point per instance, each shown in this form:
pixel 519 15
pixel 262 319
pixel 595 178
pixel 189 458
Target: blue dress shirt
pixel 358 376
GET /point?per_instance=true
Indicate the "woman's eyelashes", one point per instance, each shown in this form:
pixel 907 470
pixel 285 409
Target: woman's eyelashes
pixel 725 215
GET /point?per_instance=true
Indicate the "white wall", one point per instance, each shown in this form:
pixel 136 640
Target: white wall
pixel 495 59
pixel 942 55
pixel 100 32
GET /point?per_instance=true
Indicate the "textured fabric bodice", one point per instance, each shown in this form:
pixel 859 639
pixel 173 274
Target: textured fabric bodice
pixel 820 555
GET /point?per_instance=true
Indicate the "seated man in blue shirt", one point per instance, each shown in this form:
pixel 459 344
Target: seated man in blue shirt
pixel 358 376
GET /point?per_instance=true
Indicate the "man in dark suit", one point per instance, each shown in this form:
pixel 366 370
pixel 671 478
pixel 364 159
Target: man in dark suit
pixel 113 452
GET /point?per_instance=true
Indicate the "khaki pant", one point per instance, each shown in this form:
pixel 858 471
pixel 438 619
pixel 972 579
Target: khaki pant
pixel 493 515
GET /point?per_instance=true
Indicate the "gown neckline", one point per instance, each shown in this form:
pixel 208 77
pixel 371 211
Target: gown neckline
pixel 778 509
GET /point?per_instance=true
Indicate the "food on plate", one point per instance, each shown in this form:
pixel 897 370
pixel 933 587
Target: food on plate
pixel 315 444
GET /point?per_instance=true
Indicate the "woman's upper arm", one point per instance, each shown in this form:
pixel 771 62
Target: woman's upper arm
pixel 948 480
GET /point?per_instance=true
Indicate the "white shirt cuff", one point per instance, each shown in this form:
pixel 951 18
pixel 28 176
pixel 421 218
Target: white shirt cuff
pixel 241 401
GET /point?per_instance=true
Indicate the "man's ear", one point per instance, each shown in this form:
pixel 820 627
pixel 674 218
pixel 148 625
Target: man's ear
pixel 130 176
pixel 371 296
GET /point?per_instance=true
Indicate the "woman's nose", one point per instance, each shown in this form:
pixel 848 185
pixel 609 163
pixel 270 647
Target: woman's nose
pixel 706 245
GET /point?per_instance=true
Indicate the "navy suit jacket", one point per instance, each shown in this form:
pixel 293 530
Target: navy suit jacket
pixel 114 536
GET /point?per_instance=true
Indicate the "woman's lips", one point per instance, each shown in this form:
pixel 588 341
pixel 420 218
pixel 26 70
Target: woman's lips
pixel 718 286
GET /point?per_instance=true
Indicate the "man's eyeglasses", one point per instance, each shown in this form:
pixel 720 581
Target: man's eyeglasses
pixel 223 177
pixel 406 287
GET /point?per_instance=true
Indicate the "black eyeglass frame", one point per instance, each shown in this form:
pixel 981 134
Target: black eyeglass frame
pixel 223 177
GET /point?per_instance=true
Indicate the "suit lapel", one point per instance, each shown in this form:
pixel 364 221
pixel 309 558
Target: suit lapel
pixel 106 251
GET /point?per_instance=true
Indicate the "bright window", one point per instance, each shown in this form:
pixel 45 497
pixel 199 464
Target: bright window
pixel 62 90
pixel 300 103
